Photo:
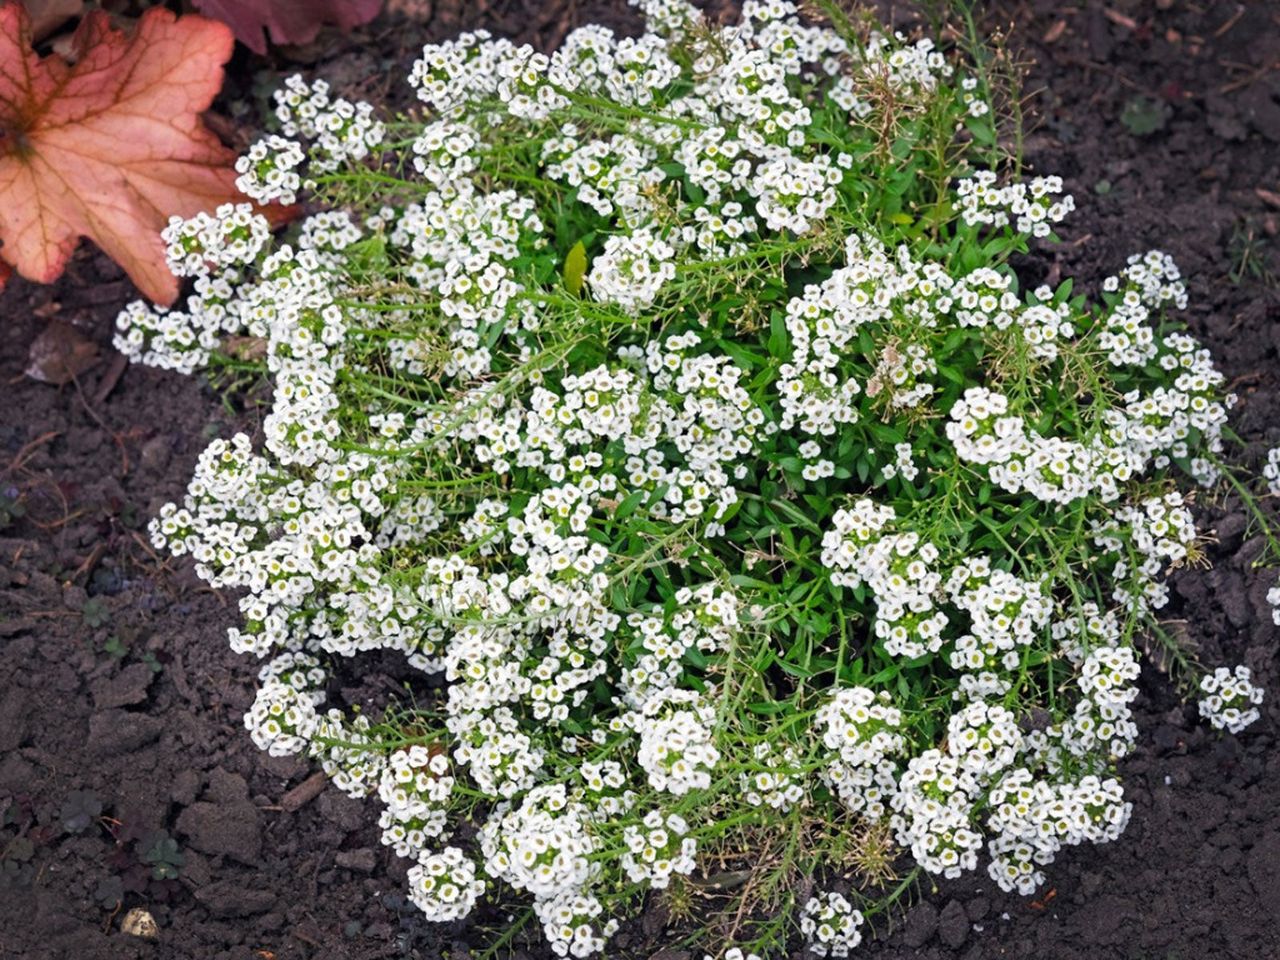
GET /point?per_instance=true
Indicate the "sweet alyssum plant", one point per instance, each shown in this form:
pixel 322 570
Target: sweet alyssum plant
pixel 671 401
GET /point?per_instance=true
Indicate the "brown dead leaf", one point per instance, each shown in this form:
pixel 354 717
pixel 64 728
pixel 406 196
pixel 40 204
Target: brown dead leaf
pixel 1055 32
pixel 60 354
pixel 245 348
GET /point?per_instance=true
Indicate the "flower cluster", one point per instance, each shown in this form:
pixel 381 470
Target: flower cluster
pixel 1031 820
pixel 1230 699
pixel 444 885
pixel 831 925
pixel 860 730
pixel 704 461
pixel 900 570
pixel 337 130
pixel 658 847
pixel 775 784
pixel 268 171
pixel 415 787
pixel 1031 206
pixel 1271 471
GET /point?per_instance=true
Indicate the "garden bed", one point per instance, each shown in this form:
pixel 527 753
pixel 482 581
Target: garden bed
pixel 119 691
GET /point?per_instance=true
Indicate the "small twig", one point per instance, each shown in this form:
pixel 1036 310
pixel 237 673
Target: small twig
pixel 109 379
pixel 25 453
pixel 303 793
pixel 112 916
pixel 91 561
pixel 142 542
pixel 1254 74
pixel 1118 18
pixel 115 437
pixel 1231 21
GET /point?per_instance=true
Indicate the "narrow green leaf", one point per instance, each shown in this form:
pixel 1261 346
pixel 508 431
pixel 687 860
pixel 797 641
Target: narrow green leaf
pixel 575 268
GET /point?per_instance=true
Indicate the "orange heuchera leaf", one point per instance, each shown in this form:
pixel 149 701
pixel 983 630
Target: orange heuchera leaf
pixel 111 145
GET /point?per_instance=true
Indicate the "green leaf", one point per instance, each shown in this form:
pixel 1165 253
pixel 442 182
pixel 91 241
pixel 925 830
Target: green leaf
pixel 575 268
pixel 778 339
pixel 768 709
pixel 628 506
pixel 1143 116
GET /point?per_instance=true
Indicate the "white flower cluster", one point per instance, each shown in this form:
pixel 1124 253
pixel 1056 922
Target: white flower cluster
pixel 677 744
pixel 416 787
pixel 1018 459
pixel 658 847
pixel 936 797
pixel 1102 724
pixel 830 925
pixel 214 249
pixel 571 924
pixel 339 131
pixel 1148 538
pixel 776 784
pixel 1033 207
pixel 231 236
pixel 631 270
pixel 984 738
pixel 860 730
pixel 283 719
pixel 347 754
pixel 1231 699
pixel 166 339
pixel 1031 820
pixel 269 171
pixel 543 419
pixel 1271 471
pixel 900 570
pixel 907 69
pixel 444 885
pixel 934 813
pixel 892 297
pixel 542 846
pixel 1005 614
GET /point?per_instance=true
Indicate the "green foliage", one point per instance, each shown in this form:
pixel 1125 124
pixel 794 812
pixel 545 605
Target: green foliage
pixel 1143 116
pixel 95 613
pixel 164 855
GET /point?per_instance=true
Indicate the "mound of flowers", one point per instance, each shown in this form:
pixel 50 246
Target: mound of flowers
pixel 671 405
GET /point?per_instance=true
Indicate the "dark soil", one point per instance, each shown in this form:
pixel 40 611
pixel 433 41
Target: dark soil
pixel 120 703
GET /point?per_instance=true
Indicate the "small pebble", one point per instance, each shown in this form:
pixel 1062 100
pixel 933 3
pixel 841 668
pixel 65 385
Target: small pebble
pixel 139 923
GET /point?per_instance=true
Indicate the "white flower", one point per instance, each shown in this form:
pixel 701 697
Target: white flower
pixel 657 848
pixel 1271 471
pixel 631 270
pixel 831 925
pixel 444 885
pixel 1230 700
pixel 282 719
